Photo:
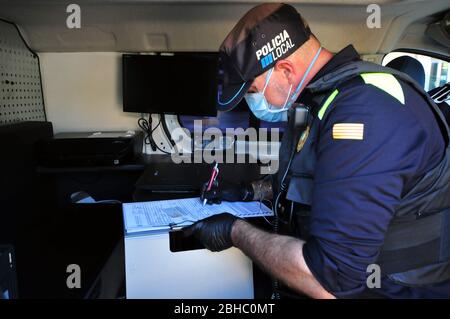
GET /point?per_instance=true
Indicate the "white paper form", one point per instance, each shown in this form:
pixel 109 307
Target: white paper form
pixel 156 215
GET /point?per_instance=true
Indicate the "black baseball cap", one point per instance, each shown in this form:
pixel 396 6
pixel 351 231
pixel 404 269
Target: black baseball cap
pixel 265 34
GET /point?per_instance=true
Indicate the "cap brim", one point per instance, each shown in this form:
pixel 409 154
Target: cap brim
pixel 228 96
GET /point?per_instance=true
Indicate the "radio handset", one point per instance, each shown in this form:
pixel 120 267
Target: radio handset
pixel 298 121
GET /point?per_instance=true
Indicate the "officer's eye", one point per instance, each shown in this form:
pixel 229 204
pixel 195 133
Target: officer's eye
pixel 252 89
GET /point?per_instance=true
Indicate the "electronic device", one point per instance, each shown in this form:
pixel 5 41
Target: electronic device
pixel 90 148
pixel 299 114
pixel 178 83
pixel 182 177
pixel 8 278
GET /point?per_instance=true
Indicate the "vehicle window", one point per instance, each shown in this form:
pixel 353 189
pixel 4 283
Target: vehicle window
pixel 437 71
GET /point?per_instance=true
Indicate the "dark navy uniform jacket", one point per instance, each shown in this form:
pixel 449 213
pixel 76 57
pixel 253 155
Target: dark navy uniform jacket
pixel 358 182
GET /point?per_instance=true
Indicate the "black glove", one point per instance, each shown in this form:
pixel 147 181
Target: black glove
pixel 227 191
pixel 213 232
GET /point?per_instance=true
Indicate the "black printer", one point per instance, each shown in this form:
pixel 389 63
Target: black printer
pixel 90 148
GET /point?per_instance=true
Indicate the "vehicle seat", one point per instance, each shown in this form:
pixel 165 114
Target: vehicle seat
pixel 411 67
pixel 415 70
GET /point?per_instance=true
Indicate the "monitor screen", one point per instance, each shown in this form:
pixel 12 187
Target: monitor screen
pixel 179 83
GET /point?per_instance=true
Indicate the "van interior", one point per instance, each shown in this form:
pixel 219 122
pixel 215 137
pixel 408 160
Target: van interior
pixel 96 98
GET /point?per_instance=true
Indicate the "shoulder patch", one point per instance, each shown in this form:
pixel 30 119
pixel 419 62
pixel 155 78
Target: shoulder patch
pixel 348 131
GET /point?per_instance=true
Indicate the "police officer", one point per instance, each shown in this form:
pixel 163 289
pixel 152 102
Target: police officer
pixel 370 167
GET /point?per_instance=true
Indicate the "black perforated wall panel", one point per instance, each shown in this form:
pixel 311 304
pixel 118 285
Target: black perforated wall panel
pixel 21 96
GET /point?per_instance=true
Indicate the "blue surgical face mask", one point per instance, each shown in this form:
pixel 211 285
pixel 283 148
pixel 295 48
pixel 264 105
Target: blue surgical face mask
pixel 261 108
pixel 265 111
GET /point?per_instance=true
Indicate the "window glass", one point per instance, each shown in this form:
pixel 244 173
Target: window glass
pixel 436 70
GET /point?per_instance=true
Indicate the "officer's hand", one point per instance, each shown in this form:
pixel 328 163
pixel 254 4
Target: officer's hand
pixel 213 232
pixel 226 191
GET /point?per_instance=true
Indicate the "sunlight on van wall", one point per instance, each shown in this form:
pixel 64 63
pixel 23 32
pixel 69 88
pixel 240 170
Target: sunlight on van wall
pixel 83 92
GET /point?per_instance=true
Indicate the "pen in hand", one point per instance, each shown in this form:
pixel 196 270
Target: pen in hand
pixel 214 174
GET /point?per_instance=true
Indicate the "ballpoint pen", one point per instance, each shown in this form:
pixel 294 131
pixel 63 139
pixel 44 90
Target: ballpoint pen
pixel 214 174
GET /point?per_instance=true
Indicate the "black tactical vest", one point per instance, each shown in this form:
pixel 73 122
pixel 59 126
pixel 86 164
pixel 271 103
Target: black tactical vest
pixel 416 250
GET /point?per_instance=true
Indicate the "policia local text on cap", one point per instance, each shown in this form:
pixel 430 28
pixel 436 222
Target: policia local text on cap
pixel 368 183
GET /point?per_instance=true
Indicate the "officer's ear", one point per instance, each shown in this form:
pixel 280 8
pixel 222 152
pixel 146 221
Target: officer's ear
pixel 286 67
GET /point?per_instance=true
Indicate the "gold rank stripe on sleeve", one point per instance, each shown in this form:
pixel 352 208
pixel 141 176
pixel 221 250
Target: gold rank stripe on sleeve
pixel 348 131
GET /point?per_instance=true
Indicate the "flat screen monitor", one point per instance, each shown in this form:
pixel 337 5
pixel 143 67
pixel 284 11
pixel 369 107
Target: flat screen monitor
pixel 178 83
